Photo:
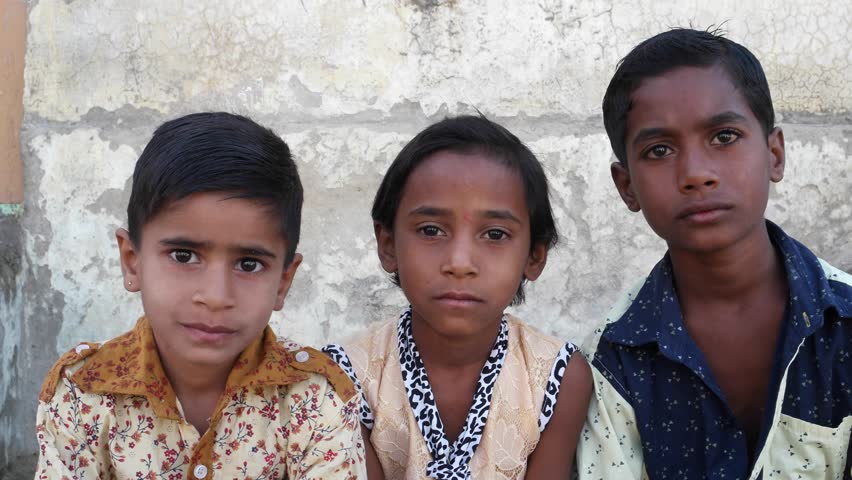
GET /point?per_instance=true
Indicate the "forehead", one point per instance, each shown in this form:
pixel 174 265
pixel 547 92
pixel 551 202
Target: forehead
pixel 684 98
pixel 217 215
pixel 464 178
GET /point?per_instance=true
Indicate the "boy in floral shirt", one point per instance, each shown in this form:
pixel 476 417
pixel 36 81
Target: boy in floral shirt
pixel 201 388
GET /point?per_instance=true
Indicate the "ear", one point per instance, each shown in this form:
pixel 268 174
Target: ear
pixel 777 160
pixel 129 258
pixel 621 178
pixel 385 247
pixel 535 262
pixel 286 280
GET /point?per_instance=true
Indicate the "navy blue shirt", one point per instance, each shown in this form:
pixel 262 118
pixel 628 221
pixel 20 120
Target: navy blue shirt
pixel 686 428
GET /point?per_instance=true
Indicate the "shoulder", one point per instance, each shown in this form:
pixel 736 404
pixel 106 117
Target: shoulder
pixel 67 364
pixel 619 347
pixel 812 279
pixel 840 281
pixel 576 383
pixel 530 334
pixel 65 409
pixel 380 336
pixel 322 369
pixel 622 304
pixel 535 345
pixel 365 352
pixel 539 348
pixel 836 302
pixel 578 374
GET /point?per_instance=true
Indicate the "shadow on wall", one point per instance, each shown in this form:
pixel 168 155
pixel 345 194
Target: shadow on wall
pixel 20 468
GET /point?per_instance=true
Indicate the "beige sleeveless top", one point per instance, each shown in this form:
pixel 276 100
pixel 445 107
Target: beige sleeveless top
pixel 520 405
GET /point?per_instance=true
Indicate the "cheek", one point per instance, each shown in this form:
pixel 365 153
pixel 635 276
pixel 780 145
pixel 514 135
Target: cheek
pixel 164 286
pixel 413 258
pixel 257 295
pixel 417 274
pixel 653 181
pixel 412 275
pixel 163 295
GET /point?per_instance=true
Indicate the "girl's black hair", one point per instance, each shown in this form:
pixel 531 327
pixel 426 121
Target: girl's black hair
pixel 471 134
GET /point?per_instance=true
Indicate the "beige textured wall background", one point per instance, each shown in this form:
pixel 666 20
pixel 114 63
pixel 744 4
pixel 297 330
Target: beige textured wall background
pixel 347 83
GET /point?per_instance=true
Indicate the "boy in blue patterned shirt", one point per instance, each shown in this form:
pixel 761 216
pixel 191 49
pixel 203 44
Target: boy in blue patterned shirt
pixel 733 358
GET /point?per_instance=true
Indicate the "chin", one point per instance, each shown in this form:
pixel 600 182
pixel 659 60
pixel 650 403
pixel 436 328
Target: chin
pixel 209 356
pixel 465 327
pixel 705 246
pixel 705 241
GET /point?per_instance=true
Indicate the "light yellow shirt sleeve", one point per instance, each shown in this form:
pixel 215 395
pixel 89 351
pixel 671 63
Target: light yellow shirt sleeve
pixel 609 445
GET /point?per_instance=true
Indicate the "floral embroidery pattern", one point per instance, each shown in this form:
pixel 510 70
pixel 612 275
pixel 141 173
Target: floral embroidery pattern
pixel 273 421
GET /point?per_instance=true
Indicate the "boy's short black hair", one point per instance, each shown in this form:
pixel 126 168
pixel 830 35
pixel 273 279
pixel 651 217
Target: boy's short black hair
pixel 471 134
pixel 216 152
pixel 683 47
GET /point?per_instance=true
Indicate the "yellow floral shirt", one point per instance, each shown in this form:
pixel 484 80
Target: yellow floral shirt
pixel 109 412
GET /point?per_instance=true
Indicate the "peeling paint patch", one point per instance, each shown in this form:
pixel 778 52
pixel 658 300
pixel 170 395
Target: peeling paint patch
pixel 12 277
pixel 502 56
pixel 11 209
pixel 429 4
pixel 11 253
pixel 812 200
pixel 77 169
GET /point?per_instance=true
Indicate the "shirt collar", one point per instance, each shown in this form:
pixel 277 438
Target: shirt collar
pixel 655 316
pixel 811 294
pixel 130 365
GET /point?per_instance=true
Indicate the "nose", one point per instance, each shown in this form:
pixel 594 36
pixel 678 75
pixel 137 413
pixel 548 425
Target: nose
pixel 460 259
pixel 215 289
pixel 696 171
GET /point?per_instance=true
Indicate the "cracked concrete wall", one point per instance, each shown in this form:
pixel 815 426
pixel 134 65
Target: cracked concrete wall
pixel 347 83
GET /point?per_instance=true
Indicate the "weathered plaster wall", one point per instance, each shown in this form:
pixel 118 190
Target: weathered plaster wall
pixel 346 83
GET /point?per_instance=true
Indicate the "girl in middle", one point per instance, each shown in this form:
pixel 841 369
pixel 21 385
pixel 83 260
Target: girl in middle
pixel 456 388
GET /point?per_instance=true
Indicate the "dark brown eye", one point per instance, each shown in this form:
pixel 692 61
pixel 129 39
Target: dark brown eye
pixel 182 256
pixel 249 265
pixel 659 151
pixel 495 234
pixel 725 137
pixel 430 230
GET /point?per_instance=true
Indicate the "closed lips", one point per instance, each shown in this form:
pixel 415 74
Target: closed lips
pixel 463 297
pixel 209 328
pixel 702 207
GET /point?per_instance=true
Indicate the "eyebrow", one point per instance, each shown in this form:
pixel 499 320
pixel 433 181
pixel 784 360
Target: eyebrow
pixel 500 215
pixel 724 117
pixel 183 242
pixel 714 121
pixel 430 211
pixel 647 133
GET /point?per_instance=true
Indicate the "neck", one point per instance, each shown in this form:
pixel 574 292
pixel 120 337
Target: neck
pixel 191 380
pixel 454 352
pixel 730 275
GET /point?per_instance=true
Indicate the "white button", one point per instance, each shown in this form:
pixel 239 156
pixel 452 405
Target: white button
pixel 303 356
pixel 200 471
pixel 81 348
